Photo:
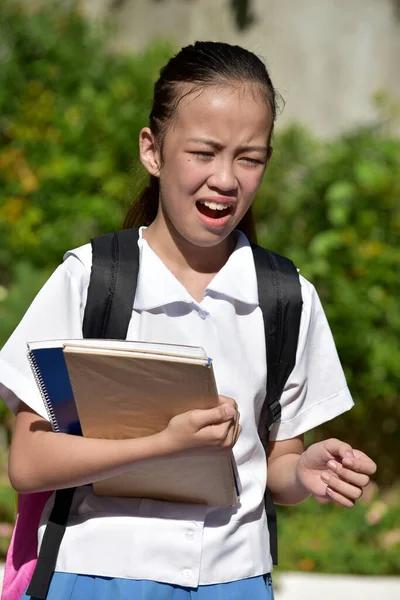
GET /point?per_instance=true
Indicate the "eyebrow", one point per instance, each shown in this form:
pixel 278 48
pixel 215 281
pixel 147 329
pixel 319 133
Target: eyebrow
pixel 219 146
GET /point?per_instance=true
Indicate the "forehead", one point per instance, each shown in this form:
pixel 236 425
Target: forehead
pixel 229 113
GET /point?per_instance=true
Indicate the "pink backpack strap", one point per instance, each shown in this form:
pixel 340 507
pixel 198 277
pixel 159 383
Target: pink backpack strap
pixel 22 552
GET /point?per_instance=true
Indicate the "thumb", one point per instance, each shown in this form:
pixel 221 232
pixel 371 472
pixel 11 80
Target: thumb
pixel 213 416
pixel 339 448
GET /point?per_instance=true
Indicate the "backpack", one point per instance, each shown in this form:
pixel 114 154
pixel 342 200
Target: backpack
pixel 111 293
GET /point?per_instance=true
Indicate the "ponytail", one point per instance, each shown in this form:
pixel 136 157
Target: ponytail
pixel 144 209
pixel 248 226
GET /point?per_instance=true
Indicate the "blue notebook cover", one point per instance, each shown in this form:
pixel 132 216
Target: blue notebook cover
pixel 51 374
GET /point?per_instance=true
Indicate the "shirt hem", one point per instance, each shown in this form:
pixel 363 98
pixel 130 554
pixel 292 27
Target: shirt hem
pixel 319 413
pixel 16 388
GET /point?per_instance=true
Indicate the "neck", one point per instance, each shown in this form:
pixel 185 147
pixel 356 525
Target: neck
pixel 178 252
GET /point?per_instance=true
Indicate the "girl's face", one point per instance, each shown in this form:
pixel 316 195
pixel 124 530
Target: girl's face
pixel 213 159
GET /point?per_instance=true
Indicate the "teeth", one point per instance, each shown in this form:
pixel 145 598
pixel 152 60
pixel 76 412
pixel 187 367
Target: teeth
pixel 215 205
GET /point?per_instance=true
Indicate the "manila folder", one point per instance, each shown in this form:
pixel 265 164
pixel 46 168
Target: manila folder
pixel 121 396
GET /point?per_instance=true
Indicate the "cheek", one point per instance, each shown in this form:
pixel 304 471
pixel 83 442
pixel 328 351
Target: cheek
pixel 251 181
pixel 192 173
pixel 182 180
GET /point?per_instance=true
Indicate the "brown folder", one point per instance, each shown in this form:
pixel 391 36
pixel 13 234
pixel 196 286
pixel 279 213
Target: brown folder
pixel 122 394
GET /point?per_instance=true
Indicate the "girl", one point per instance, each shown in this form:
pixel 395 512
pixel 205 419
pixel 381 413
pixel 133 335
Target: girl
pixel 206 150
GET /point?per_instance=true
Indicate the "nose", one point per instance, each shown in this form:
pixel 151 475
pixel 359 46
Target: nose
pixel 223 177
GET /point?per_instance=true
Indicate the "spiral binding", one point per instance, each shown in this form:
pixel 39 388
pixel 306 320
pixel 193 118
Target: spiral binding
pixel 43 392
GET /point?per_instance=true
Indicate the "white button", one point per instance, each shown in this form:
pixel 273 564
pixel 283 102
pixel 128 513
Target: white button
pixel 187 573
pixel 189 535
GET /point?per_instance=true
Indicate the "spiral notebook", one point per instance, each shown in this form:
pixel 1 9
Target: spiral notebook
pixel 118 390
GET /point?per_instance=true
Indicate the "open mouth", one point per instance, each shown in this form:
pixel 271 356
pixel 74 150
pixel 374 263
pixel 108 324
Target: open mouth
pixel 214 210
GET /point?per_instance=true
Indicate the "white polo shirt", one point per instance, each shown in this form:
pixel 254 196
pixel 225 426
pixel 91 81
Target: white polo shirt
pixel 164 541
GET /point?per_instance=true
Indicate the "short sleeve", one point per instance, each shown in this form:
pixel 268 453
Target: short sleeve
pixel 316 390
pixel 55 313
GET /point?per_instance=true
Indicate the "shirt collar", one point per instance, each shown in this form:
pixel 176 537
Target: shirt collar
pixel 157 286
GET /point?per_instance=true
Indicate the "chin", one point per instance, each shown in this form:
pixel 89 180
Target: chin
pixel 205 237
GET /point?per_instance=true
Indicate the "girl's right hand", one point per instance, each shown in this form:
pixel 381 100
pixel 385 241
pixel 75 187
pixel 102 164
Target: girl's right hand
pixel 43 460
pixel 213 428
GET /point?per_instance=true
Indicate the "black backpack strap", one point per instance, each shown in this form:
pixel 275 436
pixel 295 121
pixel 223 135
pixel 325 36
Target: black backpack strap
pixel 112 286
pixel 51 542
pixel 108 311
pixel 280 300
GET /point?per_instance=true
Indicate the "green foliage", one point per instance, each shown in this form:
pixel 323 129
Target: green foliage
pixel 8 505
pixel 333 207
pixel 364 540
pixel 70 113
pixel 14 300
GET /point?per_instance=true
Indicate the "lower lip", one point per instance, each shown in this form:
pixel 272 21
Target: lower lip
pixel 211 222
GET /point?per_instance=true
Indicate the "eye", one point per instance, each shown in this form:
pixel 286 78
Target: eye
pixel 203 155
pixel 252 161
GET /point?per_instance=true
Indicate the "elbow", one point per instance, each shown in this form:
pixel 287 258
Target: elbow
pixel 22 476
pixel 19 482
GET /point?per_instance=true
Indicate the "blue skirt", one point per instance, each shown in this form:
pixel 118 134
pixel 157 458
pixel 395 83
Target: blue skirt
pixel 67 586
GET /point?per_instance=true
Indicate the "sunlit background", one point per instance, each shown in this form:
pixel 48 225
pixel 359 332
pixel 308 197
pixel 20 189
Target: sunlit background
pixel 75 86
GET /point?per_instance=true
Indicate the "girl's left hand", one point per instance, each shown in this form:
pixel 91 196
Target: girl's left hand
pixel 332 469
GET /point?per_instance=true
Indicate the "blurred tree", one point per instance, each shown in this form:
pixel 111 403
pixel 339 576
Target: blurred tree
pixel 244 17
pixel 241 11
pixel 70 113
pixel 333 207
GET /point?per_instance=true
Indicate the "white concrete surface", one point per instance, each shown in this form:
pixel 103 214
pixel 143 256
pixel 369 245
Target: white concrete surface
pixel 328 58
pixel 306 586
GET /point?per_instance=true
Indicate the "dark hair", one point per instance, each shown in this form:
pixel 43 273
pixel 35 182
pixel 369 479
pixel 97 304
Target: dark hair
pixel 201 64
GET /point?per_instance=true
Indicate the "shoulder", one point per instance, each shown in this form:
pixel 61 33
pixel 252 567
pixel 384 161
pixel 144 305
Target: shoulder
pixel 308 291
pixel 285 263
pixel 79 257
pixel 78 263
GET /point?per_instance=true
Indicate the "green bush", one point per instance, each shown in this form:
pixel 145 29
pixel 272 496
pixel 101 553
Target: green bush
pixel 330 539
pixel 70 113
pixel 334 208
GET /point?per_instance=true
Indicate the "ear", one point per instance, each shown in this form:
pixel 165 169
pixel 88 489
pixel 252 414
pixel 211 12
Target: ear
pixel 149 152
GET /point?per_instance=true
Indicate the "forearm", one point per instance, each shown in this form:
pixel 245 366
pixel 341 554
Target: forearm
pixel 283 482
pixel 43 460
pixel 56 460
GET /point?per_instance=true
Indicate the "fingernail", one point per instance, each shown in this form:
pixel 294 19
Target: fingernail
pixel 349 454
pixel 348 462
pixel 325 477
pixel 333 465
pixel 230 412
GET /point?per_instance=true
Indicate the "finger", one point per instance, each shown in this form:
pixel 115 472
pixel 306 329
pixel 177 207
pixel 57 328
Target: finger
pixel 216 435
pixel 338 448
pixel 212 416
pixel 323 499
pixel 358 479
pixel 229 401
pixel 236 434
pixel 237 426
pixel 360 454
pixel 339 499
pixel 232 435
pixel 360 465
pixel 351 492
